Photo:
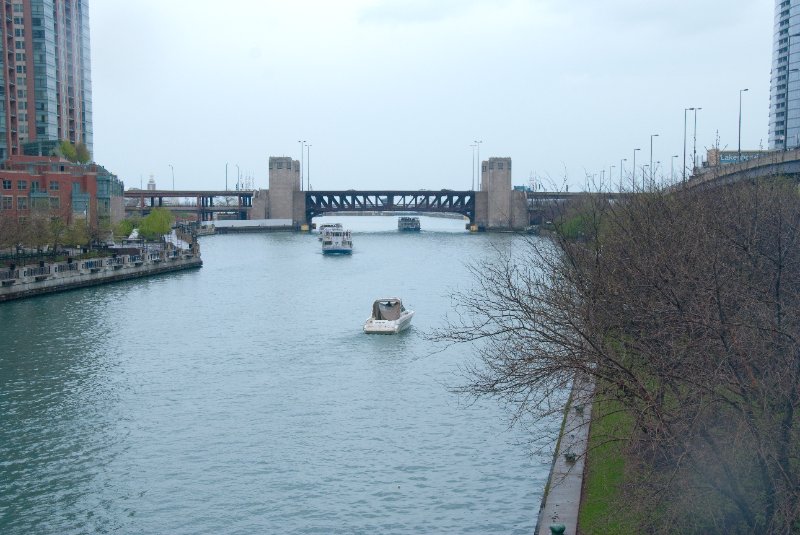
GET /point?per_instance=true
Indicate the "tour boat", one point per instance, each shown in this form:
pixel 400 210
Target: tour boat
pixel 410 224
pixel 325 226
pixel 389 316
pixel 336 241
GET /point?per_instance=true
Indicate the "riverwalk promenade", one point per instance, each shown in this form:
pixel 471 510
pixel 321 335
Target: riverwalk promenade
pixel 562 499
pixel 17 282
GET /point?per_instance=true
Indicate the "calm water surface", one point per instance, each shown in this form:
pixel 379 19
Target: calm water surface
pixel 244 398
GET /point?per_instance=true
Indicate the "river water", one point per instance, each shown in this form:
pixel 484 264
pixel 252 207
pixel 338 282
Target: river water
pixel 243 398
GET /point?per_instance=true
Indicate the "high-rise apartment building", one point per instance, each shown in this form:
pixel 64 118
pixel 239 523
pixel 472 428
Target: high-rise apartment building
pixel 46 75
pixel 784 96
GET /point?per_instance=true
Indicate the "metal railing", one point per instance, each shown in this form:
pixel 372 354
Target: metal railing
pixel 9 274
pixel 36 271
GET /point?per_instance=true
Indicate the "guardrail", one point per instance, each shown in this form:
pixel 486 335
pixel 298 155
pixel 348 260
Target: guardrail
pixel 9 274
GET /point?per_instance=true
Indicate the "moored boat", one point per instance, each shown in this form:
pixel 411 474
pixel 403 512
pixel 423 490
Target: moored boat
pixel 389 316
pixel 337 241
pixel 408 224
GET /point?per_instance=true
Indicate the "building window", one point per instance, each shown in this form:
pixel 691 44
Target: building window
pixel 55 203
pixel 8 202
pixel 280 165
pixel 35 185
pixel 53 185
pixel 22 184
pixel 484 168
pixel 491 166
pixel 6 184
pixel 500 165
pixel 38 203
pixel 22 203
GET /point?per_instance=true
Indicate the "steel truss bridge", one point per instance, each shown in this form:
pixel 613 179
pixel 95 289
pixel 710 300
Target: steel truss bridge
pixel 204 203
pixel 422 201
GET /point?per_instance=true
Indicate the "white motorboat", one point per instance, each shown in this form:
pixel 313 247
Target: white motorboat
pixel 337 241
pixel 389 316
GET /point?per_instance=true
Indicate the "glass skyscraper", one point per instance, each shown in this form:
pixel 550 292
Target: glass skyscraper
pixel 46 74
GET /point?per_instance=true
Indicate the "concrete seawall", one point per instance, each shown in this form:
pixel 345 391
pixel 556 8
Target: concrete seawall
pixel 32 280
pixel 561 502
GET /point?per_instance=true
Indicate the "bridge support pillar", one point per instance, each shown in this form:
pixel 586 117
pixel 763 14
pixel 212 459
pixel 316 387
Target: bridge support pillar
pixel 284 190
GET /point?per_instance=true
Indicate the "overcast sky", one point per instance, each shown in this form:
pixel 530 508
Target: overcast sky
pixel 391 93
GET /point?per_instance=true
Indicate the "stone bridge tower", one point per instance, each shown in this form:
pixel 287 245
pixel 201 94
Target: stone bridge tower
pixel 284 198
pixel 497 206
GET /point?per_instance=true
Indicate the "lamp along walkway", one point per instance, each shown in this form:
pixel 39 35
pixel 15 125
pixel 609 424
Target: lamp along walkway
pixel 562 499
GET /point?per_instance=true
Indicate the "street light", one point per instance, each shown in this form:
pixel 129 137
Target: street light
pixel 739 157
pixel 480 176
pixel 473 165
pixel 226 176
pixel 301 162
pixel 672 168
pixel 610 170
pixel 633 177
pixel 621 169
pixel 651 161
pixel 684 141
pixel 173 176
pixel 237 177
pixel 694 150
pixel 308 167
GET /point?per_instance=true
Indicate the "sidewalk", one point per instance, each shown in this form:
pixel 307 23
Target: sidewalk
pixel 563 500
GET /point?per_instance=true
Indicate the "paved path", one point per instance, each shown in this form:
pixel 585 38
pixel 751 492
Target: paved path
pixel 563 500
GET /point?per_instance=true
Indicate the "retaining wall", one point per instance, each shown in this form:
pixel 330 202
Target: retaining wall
pixel 31 280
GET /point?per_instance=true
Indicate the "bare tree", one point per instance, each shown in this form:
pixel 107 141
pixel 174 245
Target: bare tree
pixel 684 309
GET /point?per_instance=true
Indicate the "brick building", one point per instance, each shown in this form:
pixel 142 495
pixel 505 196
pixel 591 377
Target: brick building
pixel 31 185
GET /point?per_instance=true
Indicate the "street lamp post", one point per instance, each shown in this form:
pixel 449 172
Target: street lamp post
pixel 610 176
pixel 672 168
pixel 473 165
pixel 694 149
pixel 173 176
pixel 633 176
pixel 308 167
pixel 226 176
pixel 739 156
pixel 480 176
pixel 621 169
pixel 684 141
pixel 237 177
pixel 651 162
pixel 302 145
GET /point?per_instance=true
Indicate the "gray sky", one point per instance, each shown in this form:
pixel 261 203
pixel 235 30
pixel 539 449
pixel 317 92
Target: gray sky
pixel 391 93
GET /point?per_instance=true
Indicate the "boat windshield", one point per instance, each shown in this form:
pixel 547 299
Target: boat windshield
pixel 387 309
